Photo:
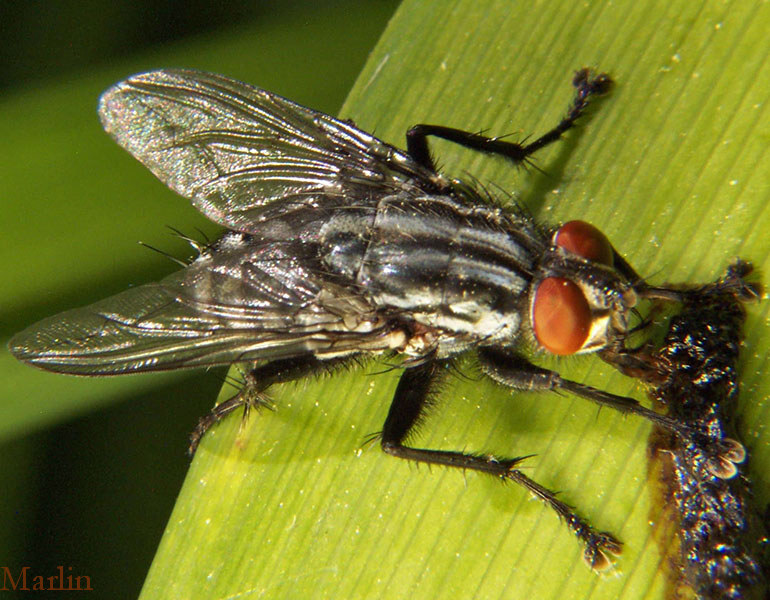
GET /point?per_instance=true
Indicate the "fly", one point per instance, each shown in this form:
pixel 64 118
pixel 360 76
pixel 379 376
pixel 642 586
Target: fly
pixel 338 246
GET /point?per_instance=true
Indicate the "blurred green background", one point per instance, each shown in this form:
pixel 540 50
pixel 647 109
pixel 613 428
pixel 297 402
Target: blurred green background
pixel 92 467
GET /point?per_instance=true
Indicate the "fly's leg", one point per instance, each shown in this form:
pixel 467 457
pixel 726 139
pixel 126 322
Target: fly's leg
pixel 587 85
pixel 257 381
pixel 413 396
pixel 518 373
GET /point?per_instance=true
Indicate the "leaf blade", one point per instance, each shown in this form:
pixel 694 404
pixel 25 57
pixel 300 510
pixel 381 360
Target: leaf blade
pixel 371 526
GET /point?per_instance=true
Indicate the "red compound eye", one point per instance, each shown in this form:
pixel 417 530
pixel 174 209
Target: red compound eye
pixel 561 316
pixel 585 240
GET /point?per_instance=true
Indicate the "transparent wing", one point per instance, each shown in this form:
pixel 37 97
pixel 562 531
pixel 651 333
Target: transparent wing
pixel 244 155
pixel 232 305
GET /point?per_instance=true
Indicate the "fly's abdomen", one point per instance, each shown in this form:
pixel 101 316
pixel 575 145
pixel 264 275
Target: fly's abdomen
pixel 436 261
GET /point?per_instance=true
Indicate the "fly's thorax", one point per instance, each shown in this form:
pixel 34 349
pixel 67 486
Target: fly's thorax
pixel 463 270
pixel 578 301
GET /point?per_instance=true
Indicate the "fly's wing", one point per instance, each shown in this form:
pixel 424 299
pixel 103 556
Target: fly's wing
pixel 244 155
pixel 235 304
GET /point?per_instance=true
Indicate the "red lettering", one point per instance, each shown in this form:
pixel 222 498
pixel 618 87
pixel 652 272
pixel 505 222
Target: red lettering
pixel 7 576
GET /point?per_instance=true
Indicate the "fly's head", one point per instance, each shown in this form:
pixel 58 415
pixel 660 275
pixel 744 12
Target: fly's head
pixel 579 302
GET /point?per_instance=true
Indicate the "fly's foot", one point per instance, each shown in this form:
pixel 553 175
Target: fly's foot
pixel 599 549
pixel 590 83
pixel 598 546
pixel 250 396
pixel 726 455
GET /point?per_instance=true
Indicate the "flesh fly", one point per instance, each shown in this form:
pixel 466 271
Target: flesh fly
pixel 338 246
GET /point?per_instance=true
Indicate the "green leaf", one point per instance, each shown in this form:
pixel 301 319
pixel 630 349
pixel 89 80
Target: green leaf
pixel 671 166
